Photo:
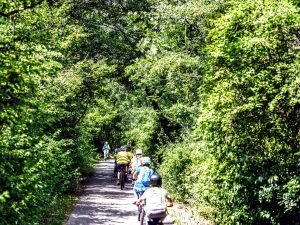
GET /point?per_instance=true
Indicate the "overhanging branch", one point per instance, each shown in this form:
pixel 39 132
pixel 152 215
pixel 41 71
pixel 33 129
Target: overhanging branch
pixel 21 9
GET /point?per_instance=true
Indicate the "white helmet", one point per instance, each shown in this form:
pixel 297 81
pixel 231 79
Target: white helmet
pixel 138 152
pixel 146 161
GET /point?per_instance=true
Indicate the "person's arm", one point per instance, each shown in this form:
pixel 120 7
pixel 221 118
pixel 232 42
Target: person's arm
pixel 169 200
pixel 139 201
pixel 142 199
pixel 136 173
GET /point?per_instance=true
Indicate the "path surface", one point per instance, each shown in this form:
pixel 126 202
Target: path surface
pixel 102 201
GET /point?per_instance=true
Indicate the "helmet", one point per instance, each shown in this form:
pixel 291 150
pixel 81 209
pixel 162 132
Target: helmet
pixel 123 148
pixel 146 161
pixel 117 150
pixel 138 152
pixel 155 180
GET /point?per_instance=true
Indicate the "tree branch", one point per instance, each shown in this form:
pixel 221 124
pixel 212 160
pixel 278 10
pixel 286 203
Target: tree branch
pixel 17 11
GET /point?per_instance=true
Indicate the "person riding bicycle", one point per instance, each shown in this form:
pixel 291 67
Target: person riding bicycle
pixel 117 150
pixel 136 161
pixel 105 149
pixel 130 155
pixel 129 152
pixel 156 200
pixel 123 160
pixel 142 176
pixel 129 145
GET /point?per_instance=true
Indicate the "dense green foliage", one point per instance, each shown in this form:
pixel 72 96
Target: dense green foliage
pixel 208 89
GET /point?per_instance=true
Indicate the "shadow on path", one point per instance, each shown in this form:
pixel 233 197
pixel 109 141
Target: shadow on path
pixel 102 201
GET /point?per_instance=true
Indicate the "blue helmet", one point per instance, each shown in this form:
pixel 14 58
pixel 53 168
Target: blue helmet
pixel 146 161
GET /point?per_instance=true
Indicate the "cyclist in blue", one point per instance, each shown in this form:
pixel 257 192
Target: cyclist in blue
pixel 142 176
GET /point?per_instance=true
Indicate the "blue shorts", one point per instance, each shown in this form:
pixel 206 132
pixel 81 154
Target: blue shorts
pixel 139 193
pixel 120 166
pixel 139 188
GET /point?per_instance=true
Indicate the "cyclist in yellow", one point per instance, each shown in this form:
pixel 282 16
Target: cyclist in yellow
pixel 123 160
pixel 130 154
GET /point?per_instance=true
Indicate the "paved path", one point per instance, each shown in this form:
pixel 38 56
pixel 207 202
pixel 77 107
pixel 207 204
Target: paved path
pixel 102 201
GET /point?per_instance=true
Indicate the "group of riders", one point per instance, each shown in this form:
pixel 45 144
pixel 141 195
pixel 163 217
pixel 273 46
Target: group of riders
pixel 146 182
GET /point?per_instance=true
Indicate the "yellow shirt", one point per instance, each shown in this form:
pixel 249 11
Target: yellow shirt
pixel 123 158
pixel 130 155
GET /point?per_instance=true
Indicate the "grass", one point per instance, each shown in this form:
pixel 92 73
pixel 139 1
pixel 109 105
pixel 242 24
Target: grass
pixel 62 205
pixel 59 209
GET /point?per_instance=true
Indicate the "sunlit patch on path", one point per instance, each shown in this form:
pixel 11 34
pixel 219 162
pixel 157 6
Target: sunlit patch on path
pixel 102 201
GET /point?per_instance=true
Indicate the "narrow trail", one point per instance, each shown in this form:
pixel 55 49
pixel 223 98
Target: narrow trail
pixel 103 202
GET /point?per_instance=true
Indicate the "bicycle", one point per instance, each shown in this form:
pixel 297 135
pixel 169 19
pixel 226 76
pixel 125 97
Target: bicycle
pixel 122 177
pixel 141 214
pixel 140 207
pixel 142 218
pixel 157 221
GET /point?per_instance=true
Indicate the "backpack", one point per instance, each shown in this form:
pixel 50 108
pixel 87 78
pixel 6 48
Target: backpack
pixel 147 173
pixel 156 204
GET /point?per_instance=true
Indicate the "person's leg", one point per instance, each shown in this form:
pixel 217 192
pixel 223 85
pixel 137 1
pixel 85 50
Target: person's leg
pixel 136 195
pixel 115 171
pixel 118 177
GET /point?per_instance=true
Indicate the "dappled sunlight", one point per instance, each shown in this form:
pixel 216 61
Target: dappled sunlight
pixel 102 201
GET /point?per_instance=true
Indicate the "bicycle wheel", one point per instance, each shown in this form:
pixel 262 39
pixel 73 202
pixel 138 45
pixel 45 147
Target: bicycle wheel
pixel 140 210
pixel 121 179
pixel 142 217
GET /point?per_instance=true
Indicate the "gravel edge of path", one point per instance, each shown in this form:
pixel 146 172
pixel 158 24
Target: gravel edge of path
pixel 183 215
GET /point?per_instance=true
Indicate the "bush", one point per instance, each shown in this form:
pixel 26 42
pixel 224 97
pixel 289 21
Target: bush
pixel 249 114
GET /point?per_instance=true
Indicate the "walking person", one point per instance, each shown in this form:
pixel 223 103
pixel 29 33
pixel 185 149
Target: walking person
pixel 105 149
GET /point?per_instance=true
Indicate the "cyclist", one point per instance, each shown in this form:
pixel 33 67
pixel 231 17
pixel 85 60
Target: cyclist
pixel 105 149
pixel 142 176
pixel 115 157
pixel 129 145
pixel 117 150
pixel 123 160
pixel 130 155
pixel 129 152
pixel 157 200
pixel 136 161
